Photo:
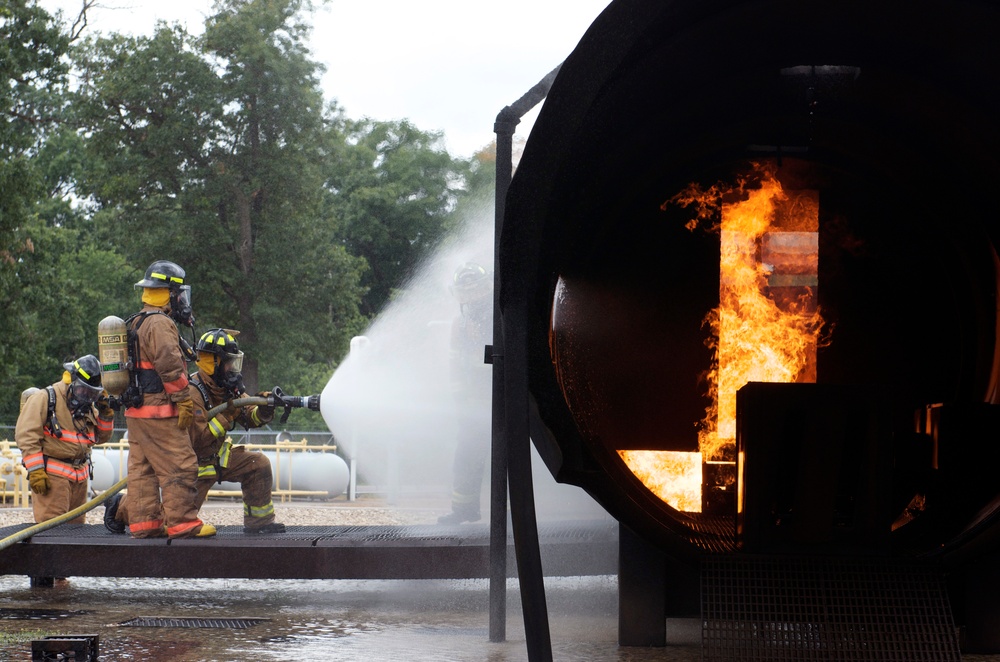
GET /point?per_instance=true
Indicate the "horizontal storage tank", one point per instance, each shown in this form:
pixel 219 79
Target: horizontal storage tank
pixel 308 471
pixel 880 117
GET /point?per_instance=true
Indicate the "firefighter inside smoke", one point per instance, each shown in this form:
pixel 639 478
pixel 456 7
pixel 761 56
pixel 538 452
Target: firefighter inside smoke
pixel 471 380
pixel 219 380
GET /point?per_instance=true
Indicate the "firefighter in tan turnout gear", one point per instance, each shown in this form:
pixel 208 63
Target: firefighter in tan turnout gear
pixel 219 379
pixel 55 431
pixel 159 411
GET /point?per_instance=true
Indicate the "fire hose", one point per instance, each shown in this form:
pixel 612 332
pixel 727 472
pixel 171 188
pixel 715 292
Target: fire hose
pixel 276 399
pixel 65 517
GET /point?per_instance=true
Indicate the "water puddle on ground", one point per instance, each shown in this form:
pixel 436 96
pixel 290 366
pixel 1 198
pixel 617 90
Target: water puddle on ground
pixel 412 621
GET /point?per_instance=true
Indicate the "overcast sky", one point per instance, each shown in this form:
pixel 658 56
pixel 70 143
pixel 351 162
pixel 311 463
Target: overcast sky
pixel 446 65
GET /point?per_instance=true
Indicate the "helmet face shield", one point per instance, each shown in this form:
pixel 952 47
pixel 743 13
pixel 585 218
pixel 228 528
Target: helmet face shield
pixel 471 282
pixel 232 363
pixel 83 393
pixel 180 305
pixel 229 375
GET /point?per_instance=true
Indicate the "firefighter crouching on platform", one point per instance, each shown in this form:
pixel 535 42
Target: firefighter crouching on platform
pixel 219 379
pixel 55 430
pixel 158 412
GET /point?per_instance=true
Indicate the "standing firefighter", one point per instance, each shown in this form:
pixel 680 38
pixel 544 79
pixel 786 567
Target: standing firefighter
pixel 159 411
pixel 55 431
pixel 471 382
pixel 219 379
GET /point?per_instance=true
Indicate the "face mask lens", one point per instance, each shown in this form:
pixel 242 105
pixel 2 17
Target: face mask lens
pixel 85 393
pixel 180 305
pixel 184 296
pixel 233 363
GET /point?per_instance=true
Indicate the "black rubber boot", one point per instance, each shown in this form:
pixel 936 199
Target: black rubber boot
pixel 110 511
pixel 273 527
pixel 42 582
pixel 459 515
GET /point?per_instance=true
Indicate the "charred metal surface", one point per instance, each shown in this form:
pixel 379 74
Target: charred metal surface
pixel 347 552
pixel 851 100
pixel 638 112
pixel 813 480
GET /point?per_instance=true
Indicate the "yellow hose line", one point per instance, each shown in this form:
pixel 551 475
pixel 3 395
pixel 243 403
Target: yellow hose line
pixel 65 517
pixel 114 489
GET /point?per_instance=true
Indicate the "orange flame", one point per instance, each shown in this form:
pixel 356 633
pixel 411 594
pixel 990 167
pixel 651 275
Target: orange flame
pixel 674 476
pixel 767 326
pixel 757 335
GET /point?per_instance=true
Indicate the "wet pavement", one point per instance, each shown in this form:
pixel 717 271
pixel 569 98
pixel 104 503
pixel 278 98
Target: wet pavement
pixel 418 620
pixel 371 620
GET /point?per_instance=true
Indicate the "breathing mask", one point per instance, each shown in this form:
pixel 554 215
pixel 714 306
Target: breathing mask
pixel 180 305
pixel 229 373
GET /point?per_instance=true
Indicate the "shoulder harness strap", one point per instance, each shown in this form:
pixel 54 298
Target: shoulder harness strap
pixel 196 380
pixel 52 422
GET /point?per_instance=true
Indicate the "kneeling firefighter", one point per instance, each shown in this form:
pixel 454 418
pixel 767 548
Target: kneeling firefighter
pixel 219 379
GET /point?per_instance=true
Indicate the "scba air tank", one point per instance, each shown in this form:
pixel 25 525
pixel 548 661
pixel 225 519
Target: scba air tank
pixel 112 349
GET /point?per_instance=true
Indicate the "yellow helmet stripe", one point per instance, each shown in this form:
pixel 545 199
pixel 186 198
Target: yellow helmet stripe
pixel 76 364
pixel 173 279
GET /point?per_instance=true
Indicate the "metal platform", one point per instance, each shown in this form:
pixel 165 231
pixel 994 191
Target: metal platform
pixel 576 548
pixel 772 608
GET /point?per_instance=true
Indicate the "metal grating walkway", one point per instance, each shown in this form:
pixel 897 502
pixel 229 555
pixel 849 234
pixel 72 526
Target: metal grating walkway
pixel 307 552
pixel 161 622
pixel 844 609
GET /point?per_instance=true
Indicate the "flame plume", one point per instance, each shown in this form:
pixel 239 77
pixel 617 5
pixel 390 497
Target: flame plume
pixel 767 326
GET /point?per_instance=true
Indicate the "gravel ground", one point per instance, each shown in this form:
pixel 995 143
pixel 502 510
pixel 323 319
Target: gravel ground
pixel 366 510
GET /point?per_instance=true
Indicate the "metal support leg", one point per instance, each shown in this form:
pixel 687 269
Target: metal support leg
pixel 642 587
pixel 522 501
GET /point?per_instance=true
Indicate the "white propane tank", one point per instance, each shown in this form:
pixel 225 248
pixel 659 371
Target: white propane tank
pixel 104 473
pixel 116 459
pixel 112 350
pixel 309 471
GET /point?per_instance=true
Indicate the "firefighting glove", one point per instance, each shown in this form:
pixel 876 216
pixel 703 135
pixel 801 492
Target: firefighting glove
pixel 263 413
pixel 103 405
pixel 38 481
pixel 185 413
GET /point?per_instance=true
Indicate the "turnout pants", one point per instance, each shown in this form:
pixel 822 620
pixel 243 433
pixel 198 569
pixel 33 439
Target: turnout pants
pixel 160 459
pixel 471 455
pixel 63 496
pixel 252 470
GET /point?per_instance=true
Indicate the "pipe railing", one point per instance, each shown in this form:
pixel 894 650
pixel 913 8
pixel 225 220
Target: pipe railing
pixel 17 488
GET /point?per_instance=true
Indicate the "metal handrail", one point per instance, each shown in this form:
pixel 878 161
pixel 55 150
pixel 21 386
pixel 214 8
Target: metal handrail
pixel 19 491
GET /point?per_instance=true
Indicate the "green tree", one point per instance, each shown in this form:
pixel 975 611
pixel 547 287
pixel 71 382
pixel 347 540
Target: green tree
pixel 46 270
pixel 395 189
pixel 211 152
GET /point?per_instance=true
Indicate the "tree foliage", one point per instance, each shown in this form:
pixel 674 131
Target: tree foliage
pixel 219 152
pixel 32 47
pixel 211 154
pixel 395 187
